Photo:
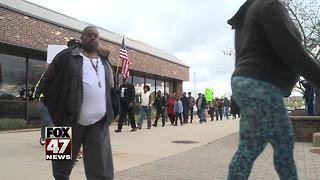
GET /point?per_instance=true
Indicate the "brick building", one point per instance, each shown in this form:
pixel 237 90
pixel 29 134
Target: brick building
pixel 26 31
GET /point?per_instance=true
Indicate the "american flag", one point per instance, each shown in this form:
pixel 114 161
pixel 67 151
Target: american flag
pixel 125 60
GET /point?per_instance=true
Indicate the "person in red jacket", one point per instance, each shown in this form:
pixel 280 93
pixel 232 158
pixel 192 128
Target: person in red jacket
pixel 170 108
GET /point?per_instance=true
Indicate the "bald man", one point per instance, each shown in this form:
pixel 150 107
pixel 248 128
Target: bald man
pixel 79 93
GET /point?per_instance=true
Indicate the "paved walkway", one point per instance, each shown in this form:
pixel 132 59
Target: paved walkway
pixel 150 154
pixel 211 162
pixel 22 156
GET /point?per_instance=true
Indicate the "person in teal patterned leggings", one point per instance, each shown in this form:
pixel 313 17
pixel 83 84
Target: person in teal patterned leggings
pixel 269 60
pixel 264 119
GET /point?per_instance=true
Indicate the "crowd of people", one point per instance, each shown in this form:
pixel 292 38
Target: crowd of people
pixel 171 106
pixel 269 59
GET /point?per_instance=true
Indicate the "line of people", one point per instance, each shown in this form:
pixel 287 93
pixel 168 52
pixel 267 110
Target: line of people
pixel 177 108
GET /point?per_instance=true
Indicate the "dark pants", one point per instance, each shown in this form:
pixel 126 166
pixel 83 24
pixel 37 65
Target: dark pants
pixel 211 112
pixel 219 113
pixel 310 107
pixel 123 114
pixel 158 113
pixel 191 114
pixel 172 118
pixel 185 115
pixel 178 115
pixel 97 153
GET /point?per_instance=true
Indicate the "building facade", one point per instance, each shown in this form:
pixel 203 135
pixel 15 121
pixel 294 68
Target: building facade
pixel 26 31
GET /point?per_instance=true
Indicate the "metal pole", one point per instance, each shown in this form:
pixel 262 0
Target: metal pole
pixel 27 87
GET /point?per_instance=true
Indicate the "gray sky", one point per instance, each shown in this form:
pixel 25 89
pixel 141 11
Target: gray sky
pixel 194 31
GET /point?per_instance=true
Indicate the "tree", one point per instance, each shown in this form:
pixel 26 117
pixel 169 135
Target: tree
pixel 305 14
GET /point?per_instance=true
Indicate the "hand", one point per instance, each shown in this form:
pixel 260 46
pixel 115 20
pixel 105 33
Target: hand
pixel 130 104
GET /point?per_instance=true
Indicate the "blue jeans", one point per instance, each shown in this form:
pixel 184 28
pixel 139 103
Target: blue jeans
pixel 264 119
pixel 145 110
pixel 45 120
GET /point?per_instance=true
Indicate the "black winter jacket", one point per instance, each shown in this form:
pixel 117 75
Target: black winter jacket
pixel 127 94
pixel 62 86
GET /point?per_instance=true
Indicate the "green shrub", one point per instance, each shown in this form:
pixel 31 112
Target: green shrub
pixel 12 124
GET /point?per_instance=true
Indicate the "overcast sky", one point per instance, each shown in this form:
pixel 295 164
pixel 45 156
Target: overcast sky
pixel 194 31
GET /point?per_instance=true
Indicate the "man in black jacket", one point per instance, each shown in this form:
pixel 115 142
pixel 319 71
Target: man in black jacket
pixel 159 104
pixel 79 91
pixel 201 106
pixel 127 95
pixel 186 105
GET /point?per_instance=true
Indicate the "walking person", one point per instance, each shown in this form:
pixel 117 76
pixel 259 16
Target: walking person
pixel 212 105
pixel 127 96
pixel 219 110
pixel 45 118
pixel 186 105
pixel 226 105
pixel 192 103
pixel 235 109
pixel 145 107
pixel 170 108
pixel 269 60
pixel 201 106
pixel 308 95
pixel 160 104
pixel 79 92
pixel 178 109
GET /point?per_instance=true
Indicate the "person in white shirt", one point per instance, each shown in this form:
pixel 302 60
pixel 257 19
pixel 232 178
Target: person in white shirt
pixel 145 107
pixel 79 92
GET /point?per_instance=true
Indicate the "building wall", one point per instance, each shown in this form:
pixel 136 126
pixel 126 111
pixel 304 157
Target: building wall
pixel 179 88
pixel 23 30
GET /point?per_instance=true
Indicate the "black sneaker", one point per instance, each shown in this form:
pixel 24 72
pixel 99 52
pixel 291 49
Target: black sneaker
pixel 154 125
pixel 117 130
pixel 133 129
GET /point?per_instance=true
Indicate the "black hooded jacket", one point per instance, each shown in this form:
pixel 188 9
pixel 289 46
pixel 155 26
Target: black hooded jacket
pixel 268 46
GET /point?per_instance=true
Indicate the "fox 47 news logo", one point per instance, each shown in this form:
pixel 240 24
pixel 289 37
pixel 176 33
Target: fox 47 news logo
pixel 58 143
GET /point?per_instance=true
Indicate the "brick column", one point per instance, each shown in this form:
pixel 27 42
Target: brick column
pixel 179 88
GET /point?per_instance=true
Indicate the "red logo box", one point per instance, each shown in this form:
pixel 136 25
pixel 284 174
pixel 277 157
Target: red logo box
pixel 58 145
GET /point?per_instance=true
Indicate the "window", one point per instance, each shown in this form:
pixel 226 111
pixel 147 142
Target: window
pixel 36 69
pixel 151 83
pixel 160 86
pixel 12 86
pixel 138 83
pixel 12 77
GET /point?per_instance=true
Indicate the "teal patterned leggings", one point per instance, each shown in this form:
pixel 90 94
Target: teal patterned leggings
pixel 264 119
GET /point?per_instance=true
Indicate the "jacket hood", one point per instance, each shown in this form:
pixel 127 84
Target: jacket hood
pixel 237 20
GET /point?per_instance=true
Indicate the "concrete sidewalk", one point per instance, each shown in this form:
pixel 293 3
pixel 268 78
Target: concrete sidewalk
pixel 21 156
pixel 211 162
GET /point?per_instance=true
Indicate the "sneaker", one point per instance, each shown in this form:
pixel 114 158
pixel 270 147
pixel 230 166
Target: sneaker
pixel 117 130
pixel 133 129
pixel 80 155
pixel 42 141
pixel 154 125
pixel 148 127
pixel 139 127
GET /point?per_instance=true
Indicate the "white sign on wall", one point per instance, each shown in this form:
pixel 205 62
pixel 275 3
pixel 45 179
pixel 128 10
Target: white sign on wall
pixel 53 50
